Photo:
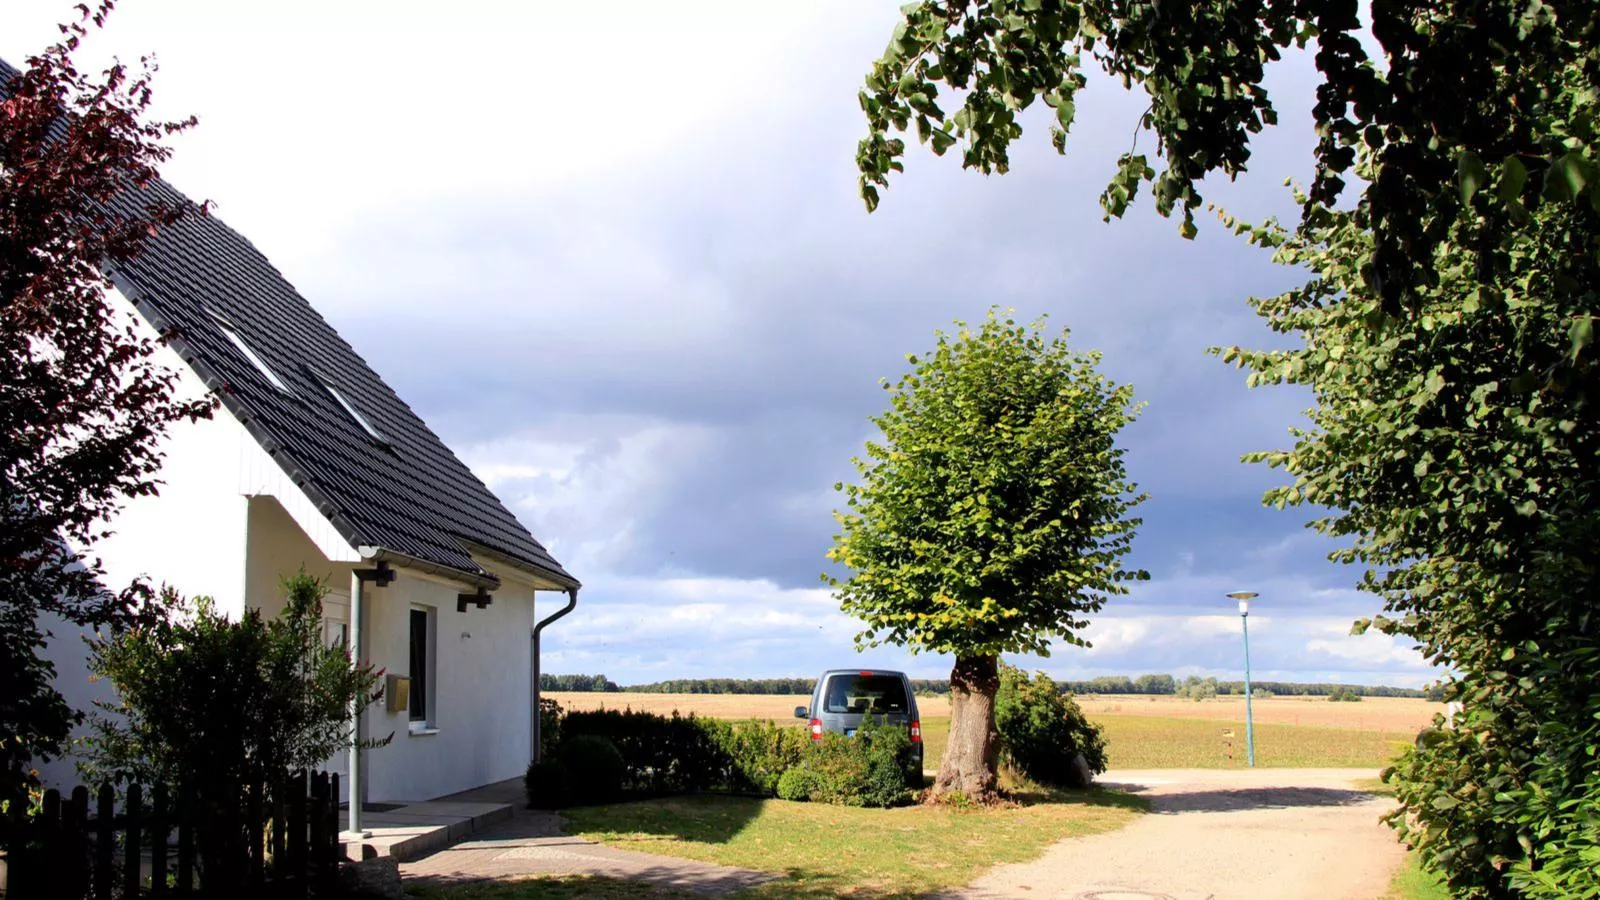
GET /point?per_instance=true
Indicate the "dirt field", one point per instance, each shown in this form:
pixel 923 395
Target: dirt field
pixel 1387 714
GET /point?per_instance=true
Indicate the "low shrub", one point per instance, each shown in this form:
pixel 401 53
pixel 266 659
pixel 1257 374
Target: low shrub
pixel 799 783
pixel 869 769
pixel 1042 730
pixel 595 768
pixel 550 718
pixel 548 785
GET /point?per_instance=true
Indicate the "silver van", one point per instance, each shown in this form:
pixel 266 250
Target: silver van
pixel 843 697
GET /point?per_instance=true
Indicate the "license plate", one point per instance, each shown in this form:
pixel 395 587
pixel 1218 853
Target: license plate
pixel 849 732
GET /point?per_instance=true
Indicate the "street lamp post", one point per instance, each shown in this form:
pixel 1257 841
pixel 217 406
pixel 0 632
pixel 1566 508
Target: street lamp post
pixel 1244 598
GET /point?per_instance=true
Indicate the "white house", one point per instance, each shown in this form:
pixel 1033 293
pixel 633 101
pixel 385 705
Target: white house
pixel 312 461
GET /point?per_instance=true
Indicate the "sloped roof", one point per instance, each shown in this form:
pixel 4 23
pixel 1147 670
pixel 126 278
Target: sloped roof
pixel 408 494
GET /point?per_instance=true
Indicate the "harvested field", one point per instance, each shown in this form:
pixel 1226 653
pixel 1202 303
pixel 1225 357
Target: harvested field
pixel 718 706
pixel 1379 714
pixel 1390 714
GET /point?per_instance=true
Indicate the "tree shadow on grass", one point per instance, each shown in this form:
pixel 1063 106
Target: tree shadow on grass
pixel 700 818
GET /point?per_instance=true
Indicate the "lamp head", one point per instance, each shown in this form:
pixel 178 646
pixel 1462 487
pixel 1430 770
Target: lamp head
pixel 1244 598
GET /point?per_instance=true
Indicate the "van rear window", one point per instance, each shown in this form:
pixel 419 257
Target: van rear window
pixel 865 693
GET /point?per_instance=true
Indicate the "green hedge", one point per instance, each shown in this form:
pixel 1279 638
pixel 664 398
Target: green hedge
pixel 684 754
pixel 680 754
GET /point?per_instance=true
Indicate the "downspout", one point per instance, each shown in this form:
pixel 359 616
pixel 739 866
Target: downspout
pixel 572 602
pixel 380 575
pixel 357 653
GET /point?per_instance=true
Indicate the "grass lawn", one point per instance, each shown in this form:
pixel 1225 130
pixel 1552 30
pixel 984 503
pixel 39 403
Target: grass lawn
pixel 826 850
pixel 1413 882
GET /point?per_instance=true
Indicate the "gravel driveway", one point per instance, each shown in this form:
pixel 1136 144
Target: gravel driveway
pixel 1231 834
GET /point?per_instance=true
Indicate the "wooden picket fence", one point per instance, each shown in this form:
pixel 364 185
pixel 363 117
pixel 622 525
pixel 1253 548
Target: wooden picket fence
pixel 267 846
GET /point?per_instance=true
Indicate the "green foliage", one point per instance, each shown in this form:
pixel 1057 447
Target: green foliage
pixel 595 766
pixel 1344 695
pixel 1042 730
pixel 1456 448
pixel 799 783
pixel 682 754
pixel 869 769
pixel 992 515
pixel 548 784
pixel 212 702
pixel 758 752
pixel 1196 688
pixel 551 718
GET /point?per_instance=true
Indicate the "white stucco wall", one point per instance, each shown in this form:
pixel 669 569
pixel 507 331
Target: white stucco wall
pixel 481 699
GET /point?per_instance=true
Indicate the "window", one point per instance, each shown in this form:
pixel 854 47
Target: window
pixel 354 413
pixel 255 360
pixel 335 633
pixel 865 693
pixel 422 668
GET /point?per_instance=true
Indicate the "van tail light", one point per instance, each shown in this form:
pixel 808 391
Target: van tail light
pixel 816 729
pixel 916 732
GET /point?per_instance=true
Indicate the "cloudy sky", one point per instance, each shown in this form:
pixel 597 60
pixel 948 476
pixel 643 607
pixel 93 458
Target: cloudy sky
pixel 656 314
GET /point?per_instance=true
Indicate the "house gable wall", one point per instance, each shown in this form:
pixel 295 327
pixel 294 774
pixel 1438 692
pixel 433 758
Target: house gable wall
pixel 194 535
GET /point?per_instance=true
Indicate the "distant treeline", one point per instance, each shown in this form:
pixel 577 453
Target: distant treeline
pixel 584 683
pixel 727 686
pixel 1105 684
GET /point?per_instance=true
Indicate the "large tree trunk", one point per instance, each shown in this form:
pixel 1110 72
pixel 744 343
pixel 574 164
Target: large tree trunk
pixel 973 751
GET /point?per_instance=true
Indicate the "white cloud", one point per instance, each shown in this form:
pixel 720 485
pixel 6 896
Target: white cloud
pixel 654 312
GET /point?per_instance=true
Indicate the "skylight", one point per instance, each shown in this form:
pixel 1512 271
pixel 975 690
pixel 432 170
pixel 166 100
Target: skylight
pixel 354 413
pixel 257 361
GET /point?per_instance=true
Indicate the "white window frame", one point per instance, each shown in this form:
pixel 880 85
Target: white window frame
pixel 350 408
pixel 255 359
pixel 429 694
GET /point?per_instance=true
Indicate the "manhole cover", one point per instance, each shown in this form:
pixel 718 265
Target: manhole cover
pixel 1123 895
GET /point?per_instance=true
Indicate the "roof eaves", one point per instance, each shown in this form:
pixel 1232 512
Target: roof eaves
pixel 471 579
pixel 560 577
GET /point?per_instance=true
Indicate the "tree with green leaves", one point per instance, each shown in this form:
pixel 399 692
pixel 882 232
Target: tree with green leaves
pixel 221 709
pixel 1446 333
pixel 992 516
